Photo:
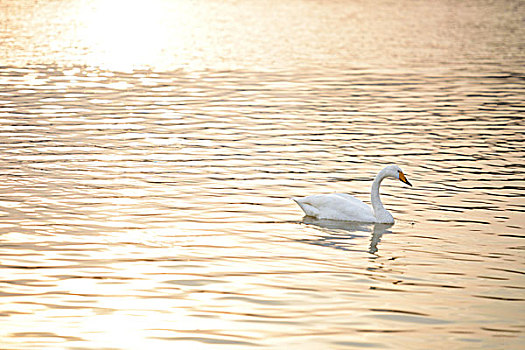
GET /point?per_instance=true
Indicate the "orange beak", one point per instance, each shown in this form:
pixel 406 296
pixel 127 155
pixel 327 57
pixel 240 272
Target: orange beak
pixel 403 178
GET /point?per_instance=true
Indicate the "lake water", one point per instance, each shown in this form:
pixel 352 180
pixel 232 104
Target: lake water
pixel 150 151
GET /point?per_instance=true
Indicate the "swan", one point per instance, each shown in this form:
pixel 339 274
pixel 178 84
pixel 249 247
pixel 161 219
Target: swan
pixel 342 206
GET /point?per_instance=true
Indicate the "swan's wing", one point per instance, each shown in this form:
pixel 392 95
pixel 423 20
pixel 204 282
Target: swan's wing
pixel 336 206
pixel 355 202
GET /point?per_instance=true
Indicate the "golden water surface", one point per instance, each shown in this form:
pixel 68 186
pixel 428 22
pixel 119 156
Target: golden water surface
pixel 149 151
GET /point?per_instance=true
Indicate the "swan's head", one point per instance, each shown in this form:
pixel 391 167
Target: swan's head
pixel 395 172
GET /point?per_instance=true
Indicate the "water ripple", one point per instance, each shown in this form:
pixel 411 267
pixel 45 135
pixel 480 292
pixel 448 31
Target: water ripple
pixel 131 200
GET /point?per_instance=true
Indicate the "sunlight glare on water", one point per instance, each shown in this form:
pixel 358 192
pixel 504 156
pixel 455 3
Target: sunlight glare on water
pixel 123 34
pixel 150 151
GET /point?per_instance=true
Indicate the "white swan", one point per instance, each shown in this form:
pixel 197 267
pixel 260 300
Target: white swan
pixel 342 206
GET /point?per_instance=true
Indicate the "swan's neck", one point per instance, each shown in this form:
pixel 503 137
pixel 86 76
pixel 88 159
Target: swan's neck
pixel 381 214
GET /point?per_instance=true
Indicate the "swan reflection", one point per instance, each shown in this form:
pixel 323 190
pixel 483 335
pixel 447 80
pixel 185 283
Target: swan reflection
pixel 336 234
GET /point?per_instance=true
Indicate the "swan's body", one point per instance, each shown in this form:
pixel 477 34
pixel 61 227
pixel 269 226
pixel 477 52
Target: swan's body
pixel 342 206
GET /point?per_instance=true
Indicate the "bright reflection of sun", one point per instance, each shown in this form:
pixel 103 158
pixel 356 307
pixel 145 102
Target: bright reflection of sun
pixel 124 34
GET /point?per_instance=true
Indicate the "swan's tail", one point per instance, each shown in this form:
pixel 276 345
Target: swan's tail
pixel 308 209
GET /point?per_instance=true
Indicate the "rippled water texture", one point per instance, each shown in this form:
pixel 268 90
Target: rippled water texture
pixel 145 188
